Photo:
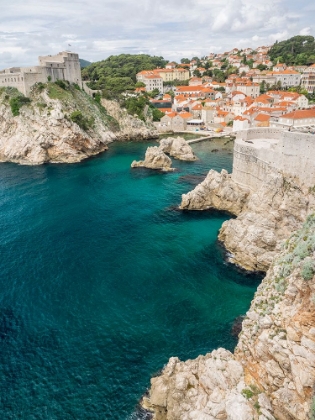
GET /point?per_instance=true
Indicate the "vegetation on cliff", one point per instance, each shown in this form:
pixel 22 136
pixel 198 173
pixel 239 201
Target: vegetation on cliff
pixel 298 50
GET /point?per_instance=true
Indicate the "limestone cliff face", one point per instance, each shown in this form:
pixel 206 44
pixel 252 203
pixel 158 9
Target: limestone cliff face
pixel 265 217
pixel 45 132
pixel 272 373
pixel 277 343
pixel 130 128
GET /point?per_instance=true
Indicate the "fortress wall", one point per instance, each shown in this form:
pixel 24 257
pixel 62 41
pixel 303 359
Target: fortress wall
pixel 63 66
pixel 31 78
pixel 13 79
pixel 273 151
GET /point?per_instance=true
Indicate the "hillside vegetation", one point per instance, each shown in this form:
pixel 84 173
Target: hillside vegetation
pixel 117 73
pixel 298 50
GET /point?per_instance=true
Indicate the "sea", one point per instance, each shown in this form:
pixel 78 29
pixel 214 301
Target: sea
pixel 103 279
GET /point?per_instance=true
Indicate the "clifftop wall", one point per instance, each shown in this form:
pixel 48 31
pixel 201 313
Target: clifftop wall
pixel 259 152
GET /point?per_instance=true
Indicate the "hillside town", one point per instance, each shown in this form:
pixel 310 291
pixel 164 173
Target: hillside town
pixel 256 93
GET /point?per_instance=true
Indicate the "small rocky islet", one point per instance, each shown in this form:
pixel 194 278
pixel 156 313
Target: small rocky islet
pixel 156 156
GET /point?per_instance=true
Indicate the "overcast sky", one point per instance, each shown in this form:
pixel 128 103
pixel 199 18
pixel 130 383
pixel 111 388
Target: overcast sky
pixel 172 29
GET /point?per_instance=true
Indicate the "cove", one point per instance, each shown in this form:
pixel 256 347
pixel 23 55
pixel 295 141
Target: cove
pixel 102 280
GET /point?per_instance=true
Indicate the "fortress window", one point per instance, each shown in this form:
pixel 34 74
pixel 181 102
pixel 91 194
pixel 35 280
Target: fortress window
pixel 22 78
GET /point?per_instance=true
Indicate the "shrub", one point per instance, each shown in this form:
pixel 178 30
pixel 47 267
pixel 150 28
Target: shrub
pixel 308 269
pixel 247 393
pixel 83 122
pixel 61 84
pixel 16 104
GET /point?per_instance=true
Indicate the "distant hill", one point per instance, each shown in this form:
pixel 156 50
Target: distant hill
pixel 298 50
pixel 84 63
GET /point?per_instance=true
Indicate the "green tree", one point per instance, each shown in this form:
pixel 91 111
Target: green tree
pixel 139 85
pixel 262 87
pixel 297 50
pixel 262 67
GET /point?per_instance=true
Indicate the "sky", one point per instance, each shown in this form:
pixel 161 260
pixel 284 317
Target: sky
pixel 173 29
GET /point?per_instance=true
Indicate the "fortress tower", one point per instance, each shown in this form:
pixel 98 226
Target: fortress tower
pixel 63 66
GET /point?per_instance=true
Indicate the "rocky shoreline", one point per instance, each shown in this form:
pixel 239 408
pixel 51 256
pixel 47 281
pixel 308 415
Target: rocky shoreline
pixel 62 126
pixel 271 375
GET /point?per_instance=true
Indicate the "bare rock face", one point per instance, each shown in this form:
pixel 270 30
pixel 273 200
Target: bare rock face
pixel 155 158
pixel 277 343
pixel 272 373
pixel 130 128
pixel 209 387
pixel 216 191
pixel 265 217
pixel 178 148
pixel 268 217
pixel 44 131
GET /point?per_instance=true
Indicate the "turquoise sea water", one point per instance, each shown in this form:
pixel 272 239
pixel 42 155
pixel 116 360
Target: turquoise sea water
pixel 102 280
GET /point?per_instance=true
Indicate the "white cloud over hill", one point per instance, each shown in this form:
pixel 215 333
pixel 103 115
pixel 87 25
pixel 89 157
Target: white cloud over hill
pixel 174 29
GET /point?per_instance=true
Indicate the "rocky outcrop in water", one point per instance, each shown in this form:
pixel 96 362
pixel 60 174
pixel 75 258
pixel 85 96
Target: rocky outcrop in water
pixel 59 125
pixel 216 191
pixel 178 148
pixel 272 372
pixel 155 158
pixel 265 217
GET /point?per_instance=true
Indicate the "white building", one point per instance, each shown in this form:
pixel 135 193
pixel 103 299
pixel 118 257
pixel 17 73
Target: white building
pixel 299 118
pixel 308 79
pixel 288 78
pixel 151 80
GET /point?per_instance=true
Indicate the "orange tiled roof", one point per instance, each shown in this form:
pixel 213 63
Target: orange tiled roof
pixel 185 115
pixel 189 88
pixel 239 118
pixel 301 114
pixel 262 117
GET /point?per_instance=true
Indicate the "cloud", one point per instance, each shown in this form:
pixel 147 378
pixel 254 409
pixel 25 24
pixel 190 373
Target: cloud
pixel 305 31
pixel 173 30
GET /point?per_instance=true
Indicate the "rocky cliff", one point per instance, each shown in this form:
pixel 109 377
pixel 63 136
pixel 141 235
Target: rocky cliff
pixel 271 375
pixel 264 218
pixel 59 124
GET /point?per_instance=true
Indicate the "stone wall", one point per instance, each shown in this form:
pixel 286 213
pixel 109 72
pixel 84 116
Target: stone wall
pixel 258 152
pixel 62 66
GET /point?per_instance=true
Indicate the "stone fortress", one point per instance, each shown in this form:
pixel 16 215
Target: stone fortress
pixel 259 151
pixel 63 66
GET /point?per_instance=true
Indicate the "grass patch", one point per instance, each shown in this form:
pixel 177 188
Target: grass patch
pixel 57 92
